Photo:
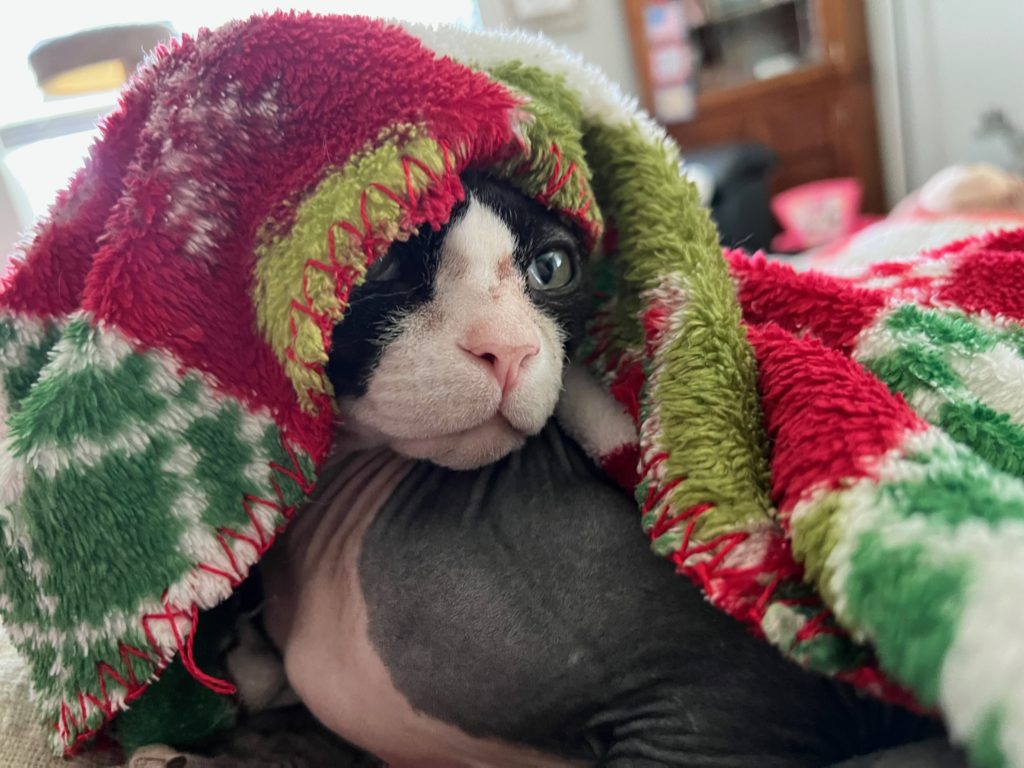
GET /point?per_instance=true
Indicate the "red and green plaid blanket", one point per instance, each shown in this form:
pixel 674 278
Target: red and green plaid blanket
pixel 837 463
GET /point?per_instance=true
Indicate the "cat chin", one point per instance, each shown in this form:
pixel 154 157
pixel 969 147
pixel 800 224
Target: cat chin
pixel 483 444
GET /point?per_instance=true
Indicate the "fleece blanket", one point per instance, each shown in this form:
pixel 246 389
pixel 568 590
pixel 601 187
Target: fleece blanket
pixel 837 463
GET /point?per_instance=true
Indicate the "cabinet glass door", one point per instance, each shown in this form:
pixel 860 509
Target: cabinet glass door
pixel 739 41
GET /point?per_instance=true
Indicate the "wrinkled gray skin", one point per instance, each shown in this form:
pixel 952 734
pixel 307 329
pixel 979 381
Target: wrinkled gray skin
pixel 516 607
pixel 510 615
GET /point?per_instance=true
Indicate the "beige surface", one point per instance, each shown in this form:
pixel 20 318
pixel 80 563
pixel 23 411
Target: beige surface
pixel 22 739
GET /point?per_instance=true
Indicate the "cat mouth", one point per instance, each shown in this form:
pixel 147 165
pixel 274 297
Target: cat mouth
pixel 496 424
pixel 487 442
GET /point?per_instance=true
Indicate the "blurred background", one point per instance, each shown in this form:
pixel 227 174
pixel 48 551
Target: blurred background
pixel 801 120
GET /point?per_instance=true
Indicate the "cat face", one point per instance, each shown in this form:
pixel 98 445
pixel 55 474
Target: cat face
pixel 453 349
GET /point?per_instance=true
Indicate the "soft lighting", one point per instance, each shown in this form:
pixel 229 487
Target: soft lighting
pixel 42 168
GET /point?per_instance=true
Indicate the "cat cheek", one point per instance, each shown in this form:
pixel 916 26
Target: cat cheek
pixel 533 402
pixel 530 407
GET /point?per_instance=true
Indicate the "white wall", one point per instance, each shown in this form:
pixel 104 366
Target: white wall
pixel 600 35
pixel 939 65
pixel 15 215
pixel 885 68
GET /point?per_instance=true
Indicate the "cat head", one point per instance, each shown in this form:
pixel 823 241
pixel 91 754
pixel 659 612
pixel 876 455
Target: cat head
pixel 453 349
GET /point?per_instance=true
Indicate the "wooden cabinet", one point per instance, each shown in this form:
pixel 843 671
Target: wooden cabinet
pixel 818 116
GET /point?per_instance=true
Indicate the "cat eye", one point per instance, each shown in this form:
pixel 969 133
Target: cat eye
pixel 550 270
pixel 385 268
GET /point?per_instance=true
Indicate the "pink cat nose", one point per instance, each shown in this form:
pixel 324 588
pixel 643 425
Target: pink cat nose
pixel 506 360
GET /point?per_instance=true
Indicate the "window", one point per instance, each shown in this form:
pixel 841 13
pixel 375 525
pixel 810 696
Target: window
pixel 41 162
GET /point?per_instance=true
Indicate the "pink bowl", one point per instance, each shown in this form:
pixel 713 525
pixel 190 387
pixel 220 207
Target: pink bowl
pixel 819 212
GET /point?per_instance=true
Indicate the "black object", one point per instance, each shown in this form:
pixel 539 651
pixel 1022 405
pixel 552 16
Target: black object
pixel 741 204
pixel 128 42
pixel 931 753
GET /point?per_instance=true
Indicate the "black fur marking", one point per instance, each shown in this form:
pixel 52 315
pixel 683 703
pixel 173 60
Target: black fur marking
pixel 396 283
pixel 403 279
pixel 520 601
pixel 538 229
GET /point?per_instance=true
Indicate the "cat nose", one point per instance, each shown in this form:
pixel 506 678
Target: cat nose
pixel 506 360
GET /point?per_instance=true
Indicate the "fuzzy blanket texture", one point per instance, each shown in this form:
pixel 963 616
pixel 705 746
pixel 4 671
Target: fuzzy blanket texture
pixel 836 462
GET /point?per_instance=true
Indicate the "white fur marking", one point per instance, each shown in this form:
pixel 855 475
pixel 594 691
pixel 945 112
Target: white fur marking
pixel 592 416
pixel 995 377
pixel 462 417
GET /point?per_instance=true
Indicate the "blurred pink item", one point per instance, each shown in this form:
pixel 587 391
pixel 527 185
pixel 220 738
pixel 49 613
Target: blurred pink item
pixel 818 213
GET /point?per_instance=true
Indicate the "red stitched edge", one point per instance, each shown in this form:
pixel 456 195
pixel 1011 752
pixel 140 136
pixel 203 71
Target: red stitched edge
pixel 729 589
pixel 343 277
pixel 557 180
pixel 127 679
pixel 723 585
pixel 740 591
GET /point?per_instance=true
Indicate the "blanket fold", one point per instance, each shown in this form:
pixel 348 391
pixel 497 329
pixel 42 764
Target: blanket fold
pixel 837 463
